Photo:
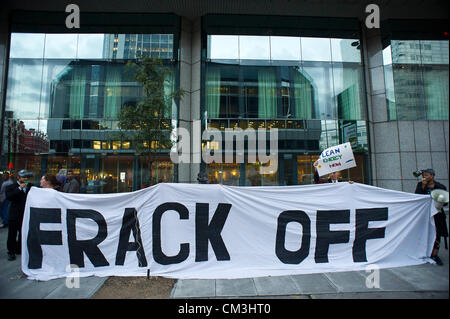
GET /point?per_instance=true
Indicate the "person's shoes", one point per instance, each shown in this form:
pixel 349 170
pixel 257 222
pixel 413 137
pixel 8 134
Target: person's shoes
pixel 11 257
pixel 437 260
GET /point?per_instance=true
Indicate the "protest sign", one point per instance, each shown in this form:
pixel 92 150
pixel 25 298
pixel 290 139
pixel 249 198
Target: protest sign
pixel 336 158
pixel 216 231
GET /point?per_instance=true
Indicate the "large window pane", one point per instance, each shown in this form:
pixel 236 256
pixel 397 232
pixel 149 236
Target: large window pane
pixel 316 49
pixel 254 47
pixel 24 88
pixel 285 48
pixel 223 47
pixel 27 45
pixel 65 92
pixel 304 93
pixel 436 86
pixel 90 46
pixel 347 80
pixel 321 80
pixel 345 50
pixel 61 46
pixel 416 78
pixel 222 91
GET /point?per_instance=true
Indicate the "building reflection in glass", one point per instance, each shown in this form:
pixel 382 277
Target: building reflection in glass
pixel 65 92
pixel 310 89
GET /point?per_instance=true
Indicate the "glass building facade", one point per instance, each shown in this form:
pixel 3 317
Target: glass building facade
pixel 65 93
pixel 320 80
pixel 310 88
pixel 416 78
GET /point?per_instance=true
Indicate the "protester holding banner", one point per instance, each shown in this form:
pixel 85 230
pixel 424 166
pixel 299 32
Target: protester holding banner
pixel 332 161
pixel 426 186
pixel 332 177
pixel 197 231
pixel 50 181
pixel 17 194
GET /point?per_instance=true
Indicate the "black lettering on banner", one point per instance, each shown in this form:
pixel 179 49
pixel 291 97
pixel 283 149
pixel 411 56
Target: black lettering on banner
pixel 130 223
pixel 325 237
pixel 90 246
pixel 363 232
pixel 287 256
pixel 36 237
pixel 158 254
pixel 205 232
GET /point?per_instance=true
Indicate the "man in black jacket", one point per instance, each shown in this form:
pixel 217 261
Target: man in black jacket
pixel 426 186
pixel 17 195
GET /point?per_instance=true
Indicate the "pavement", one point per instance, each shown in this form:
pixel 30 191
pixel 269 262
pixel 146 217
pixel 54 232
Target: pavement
pixel 15 285
pixel 427 281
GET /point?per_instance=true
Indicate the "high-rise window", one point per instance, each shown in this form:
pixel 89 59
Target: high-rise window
pixel 416 79
pixel 279 77
pixel 65 93
pixel 311 89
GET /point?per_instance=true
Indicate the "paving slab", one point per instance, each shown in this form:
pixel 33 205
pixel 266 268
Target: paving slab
pixel 348 281
pixel 198 288
pixel 423 278
pixel 389 281
pixel 87 287
pixel 276 285
pixel 15 285
pixel 385 295
pixel 313 283
pixel 235 287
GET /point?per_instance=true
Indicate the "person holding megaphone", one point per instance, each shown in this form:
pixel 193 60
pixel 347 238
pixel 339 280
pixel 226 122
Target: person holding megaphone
pixel 426 186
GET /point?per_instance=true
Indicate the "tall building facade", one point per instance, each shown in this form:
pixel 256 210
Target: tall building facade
pixel 313 70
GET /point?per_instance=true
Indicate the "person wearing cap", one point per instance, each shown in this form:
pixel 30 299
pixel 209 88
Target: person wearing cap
pixel 17 194
pixel 426 186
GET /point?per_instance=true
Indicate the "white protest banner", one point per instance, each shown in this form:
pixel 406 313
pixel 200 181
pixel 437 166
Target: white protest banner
pixel 215 231
pixel 335 158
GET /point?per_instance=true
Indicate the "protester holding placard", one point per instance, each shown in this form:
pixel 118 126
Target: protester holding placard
pixel 334 159
pixel 333 177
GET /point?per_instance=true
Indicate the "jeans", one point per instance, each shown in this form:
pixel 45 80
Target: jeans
pixel 14 237
pixel 4 211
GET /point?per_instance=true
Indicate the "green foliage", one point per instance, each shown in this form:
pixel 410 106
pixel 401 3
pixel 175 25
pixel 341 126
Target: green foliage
pixel 148 123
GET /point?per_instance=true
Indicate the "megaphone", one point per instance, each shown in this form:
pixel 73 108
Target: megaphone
pixel 417 173
pixel 440 198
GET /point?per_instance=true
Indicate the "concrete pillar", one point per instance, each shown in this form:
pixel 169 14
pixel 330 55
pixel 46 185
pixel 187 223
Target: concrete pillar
pixel 190 81
pixel 384 138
